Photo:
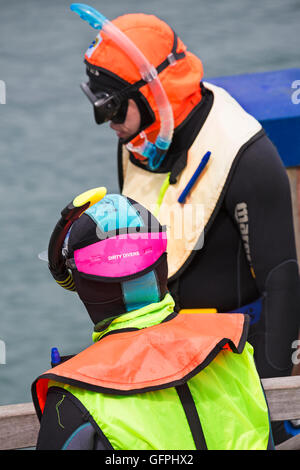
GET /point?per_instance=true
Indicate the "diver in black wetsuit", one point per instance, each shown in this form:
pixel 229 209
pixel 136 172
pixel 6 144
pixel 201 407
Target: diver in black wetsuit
pixel 248 261
pixel 147 360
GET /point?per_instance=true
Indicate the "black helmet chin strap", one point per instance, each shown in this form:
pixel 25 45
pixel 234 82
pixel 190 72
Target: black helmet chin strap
pixel 69 214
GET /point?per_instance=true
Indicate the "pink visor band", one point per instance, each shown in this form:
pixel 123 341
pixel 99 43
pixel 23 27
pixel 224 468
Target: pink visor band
pixel 121 255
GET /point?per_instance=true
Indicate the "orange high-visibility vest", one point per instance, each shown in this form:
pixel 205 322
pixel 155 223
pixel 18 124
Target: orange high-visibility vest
pixel 160 356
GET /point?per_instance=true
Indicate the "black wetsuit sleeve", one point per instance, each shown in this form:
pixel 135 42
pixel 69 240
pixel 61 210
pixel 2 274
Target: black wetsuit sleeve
pixel 259 202
pixel 66 425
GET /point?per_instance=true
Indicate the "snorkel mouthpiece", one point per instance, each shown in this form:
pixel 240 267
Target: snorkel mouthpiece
pixel 156 152
pixel 69 214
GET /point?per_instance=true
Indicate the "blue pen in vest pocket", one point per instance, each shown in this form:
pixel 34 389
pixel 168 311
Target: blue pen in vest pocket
pixel 194 178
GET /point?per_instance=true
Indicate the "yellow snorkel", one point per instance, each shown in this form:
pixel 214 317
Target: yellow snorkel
pixel 69 214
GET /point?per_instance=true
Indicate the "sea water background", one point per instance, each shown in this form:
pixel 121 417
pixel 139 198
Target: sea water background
pixel 51 150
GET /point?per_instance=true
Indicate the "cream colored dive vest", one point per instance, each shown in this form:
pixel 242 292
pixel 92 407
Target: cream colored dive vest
pixel 226 130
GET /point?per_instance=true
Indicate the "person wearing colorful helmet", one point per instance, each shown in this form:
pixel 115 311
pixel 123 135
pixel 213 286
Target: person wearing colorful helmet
pixel 239 253
pixel 154 379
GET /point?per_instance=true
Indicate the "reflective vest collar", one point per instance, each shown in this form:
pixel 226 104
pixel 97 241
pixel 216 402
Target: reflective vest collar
pixel 161 356
pixel 144 317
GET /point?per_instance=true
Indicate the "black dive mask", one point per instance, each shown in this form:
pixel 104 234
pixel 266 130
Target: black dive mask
pixel 107 106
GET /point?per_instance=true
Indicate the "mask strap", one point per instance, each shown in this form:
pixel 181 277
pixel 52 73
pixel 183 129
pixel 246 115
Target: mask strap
pixel 141 291
pixel 170 60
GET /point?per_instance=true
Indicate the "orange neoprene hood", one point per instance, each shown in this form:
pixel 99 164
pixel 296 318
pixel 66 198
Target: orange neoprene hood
pixel 156 40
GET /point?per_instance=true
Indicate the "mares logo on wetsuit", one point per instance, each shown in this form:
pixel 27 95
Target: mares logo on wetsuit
pixel 241 216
